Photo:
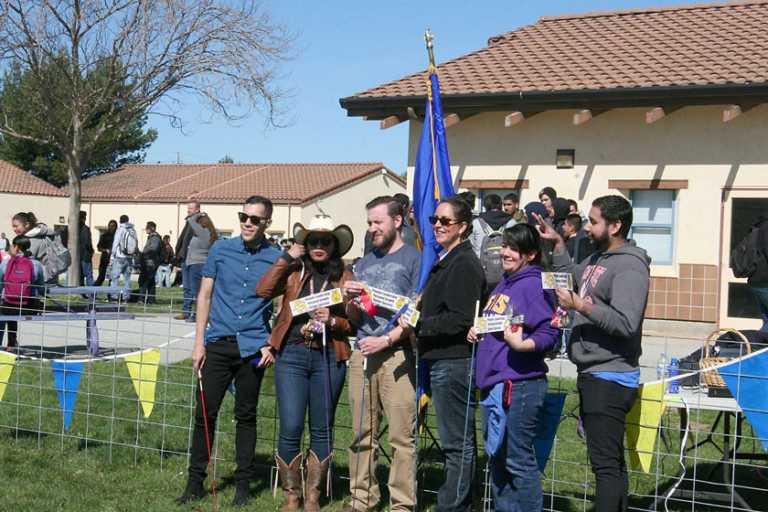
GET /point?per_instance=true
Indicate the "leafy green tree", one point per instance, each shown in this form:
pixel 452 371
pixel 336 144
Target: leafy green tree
pixel 91 70
pixel 115 149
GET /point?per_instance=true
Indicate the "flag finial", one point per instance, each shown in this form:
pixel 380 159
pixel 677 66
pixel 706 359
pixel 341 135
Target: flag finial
pixel 428 37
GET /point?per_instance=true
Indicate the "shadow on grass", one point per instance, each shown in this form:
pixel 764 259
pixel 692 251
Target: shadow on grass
pixel 23 433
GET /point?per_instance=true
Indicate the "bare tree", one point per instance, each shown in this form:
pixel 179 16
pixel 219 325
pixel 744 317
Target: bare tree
pixel 157 54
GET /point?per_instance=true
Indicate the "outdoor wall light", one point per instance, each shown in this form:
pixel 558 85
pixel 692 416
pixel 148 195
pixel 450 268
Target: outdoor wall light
pixel 566 158
pixel 61 220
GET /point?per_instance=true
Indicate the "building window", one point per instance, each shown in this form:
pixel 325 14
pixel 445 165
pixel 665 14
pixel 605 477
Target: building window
pixel 653 219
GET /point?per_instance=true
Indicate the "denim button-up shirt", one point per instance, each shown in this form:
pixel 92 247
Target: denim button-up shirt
pixel 235 308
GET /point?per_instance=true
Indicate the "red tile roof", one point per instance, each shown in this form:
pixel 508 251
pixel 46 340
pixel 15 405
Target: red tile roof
pixel 14 180
pixel 225 183
pixel 687 46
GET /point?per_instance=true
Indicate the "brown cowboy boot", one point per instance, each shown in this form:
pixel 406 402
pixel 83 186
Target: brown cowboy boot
pixel 316 473
pixel 290 481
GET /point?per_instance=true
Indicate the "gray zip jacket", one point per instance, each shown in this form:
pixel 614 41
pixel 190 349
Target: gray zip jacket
pixel 197 250
pixel 616 283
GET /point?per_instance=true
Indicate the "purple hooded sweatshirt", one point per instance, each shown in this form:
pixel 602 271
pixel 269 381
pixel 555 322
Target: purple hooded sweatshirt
pixel 496 361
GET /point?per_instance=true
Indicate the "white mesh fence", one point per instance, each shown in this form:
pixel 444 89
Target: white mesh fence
pixel 721 466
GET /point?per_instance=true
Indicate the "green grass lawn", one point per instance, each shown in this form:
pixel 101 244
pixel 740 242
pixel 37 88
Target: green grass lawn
pixel 167 299
pixel 115 460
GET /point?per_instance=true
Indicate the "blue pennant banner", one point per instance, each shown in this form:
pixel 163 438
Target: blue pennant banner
pixel 66 380
pixel 746 379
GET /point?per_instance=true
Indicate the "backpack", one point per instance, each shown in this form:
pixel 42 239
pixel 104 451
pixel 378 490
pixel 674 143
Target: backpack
pixel 129 242
pixel 746 257
pixel 57 257
pixel 17 281
pixel 490 254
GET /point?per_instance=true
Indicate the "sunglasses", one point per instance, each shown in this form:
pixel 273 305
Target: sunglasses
pixel 320 241
pixel 444 221
pixel 255 219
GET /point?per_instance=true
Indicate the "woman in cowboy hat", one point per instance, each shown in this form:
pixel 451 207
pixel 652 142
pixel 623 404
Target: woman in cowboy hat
pixel 312 353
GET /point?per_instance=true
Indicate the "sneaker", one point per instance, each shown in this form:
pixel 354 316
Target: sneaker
pixel 193 492
pixel 180 317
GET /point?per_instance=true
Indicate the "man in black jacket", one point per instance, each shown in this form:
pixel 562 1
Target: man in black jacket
pixel 104 245
pixel 758 282
pixel 86 252
pixel 150 260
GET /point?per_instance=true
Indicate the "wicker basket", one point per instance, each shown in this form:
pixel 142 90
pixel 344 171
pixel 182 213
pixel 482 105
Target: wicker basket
pixel 712 378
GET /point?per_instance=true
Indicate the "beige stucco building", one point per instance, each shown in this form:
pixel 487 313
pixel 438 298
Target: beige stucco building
pixel 22 192
pixel 160 193
pixel 677 129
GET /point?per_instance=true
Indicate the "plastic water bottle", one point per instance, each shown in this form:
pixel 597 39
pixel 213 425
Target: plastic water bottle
pixel 661 367
pixel 674 370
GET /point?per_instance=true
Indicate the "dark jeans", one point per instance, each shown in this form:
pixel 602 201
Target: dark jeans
pixel 86 273
pixel 147 283
pixel 761 296
pixel 222 364
pixel 514 469
pixel 450 384
pixel 192 275
pixel 103 264
pixel 307 378
pixel 604 406
pixel 34 307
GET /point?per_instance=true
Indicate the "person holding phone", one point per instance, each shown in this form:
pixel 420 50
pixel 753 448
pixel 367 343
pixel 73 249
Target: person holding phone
pixel 312 354
pixel 231 343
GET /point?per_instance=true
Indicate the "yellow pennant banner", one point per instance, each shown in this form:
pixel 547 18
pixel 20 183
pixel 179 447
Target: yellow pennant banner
pixel 643 425
pixel 7 362
pixel 143 370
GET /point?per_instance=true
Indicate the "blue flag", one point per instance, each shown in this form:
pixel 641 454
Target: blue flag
pixel 66 380
pixel 549 420
pixel 432 178
pixel 432 181
pixel 746 379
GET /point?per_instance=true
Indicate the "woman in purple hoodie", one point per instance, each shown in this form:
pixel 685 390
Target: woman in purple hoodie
pixel 511 372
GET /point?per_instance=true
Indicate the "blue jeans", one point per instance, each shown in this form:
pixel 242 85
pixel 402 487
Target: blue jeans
pixel 514 469
pixel 122 267
pixel 86 273
pixel 304 378
pixel 163 276
pixel 761 295
pixel 450 388
pixel 191 277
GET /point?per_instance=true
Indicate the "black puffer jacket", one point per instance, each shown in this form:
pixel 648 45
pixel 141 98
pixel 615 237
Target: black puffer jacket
pixel 760 277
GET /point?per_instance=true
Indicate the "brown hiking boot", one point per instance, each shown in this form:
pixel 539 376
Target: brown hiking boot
pixel 316 472
pixel 290 482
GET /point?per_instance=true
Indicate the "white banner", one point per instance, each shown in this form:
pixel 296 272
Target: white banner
pixel 552 280
pixel 309 303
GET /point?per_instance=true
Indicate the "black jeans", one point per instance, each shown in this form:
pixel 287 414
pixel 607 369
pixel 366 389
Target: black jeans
pixel 222 364
pixel 147 283
pixel 604 406
pixel 450 385
pixel 103 264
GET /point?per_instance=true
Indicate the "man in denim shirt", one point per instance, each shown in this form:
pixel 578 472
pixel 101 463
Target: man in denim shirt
pixel 232 330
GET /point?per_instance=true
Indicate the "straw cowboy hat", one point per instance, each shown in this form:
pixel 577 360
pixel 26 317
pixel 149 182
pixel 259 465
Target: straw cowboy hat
pixel 324 224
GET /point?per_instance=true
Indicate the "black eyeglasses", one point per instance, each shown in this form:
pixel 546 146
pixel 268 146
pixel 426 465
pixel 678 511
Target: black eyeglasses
pixel 320 241
pixel 255 219
pixel 444 221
